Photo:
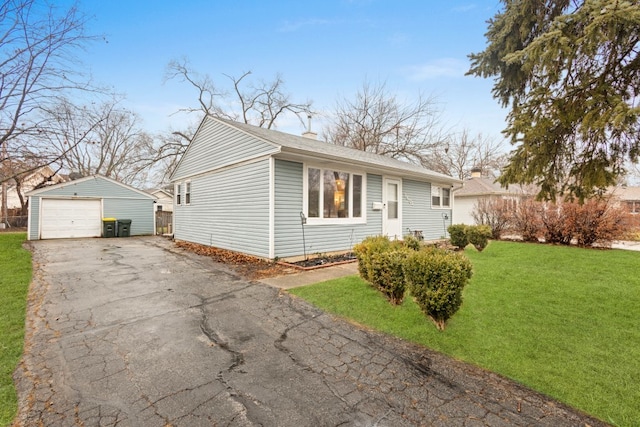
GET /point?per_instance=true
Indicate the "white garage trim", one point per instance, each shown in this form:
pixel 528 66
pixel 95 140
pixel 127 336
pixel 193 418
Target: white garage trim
pixel 70 218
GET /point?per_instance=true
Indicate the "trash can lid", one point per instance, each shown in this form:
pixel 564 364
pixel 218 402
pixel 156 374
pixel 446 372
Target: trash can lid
pixel 108 219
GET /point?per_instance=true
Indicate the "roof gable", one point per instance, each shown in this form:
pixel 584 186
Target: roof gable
pixel 216 145
pixel 91 186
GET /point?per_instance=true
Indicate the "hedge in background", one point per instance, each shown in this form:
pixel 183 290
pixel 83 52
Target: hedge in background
pixel 478 236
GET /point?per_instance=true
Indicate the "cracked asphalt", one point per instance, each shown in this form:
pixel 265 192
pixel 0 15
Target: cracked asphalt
pixel 135 332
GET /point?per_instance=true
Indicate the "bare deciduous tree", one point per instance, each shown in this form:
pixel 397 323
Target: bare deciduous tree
pixel 261 103
pixel 37 42
pixel 462 153
pixel 37 64
pixel 375 120
pixel 101 138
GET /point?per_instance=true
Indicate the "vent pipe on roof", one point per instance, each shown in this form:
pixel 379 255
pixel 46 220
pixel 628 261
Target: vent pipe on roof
pixel 309 133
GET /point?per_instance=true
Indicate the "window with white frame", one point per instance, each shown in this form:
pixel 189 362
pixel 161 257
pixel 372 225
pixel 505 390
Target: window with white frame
pixel 187 193
pixel 334 194
pixel 178 193
pixel 440 197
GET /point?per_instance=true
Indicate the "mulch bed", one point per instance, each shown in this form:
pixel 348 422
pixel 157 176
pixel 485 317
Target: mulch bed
pixel 254 268
pixel 322 261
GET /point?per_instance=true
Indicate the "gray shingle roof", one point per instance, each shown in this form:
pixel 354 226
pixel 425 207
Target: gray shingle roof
pixel 486 187
pixel 294 144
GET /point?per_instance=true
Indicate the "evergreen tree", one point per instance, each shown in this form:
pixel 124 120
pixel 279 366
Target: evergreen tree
pixel 569 72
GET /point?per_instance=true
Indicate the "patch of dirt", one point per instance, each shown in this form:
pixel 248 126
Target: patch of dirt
pixel 248 266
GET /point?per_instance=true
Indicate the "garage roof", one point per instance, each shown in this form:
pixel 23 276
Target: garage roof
pixel 53 188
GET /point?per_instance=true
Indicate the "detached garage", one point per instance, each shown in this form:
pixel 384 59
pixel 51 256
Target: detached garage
pixel 75 209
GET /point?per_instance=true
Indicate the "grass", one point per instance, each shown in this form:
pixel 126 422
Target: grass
pixel 15 276
pixel 561 320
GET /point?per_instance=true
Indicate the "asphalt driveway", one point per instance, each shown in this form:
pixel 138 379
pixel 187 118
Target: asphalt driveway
pixel 135 332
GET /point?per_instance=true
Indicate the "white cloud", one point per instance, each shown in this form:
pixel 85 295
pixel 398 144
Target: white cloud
pixel 443 67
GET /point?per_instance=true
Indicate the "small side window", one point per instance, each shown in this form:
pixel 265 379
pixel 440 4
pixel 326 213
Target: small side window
pixel 187 193
pixel 179 194
pixel 446 197
pixel 435 196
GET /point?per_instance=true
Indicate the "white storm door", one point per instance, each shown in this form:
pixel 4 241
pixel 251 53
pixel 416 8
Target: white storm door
pixel 392 212
pixel 63 219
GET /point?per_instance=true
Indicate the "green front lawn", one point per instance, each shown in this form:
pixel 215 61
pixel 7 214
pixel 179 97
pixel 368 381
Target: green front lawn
pixel 562 320
pixel 15 275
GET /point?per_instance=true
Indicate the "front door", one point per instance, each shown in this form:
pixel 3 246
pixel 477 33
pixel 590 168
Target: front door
pixel 392 218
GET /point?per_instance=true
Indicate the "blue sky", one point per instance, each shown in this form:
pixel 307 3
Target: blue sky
pixel 324 50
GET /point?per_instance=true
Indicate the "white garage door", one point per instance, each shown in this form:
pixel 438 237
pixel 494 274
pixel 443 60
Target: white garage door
pixel 62 219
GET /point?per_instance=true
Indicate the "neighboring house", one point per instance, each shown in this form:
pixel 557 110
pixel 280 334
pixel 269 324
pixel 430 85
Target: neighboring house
pixel 76 208
pixel 164 200
pixel 628 197
pixel 479 188
pixel 271 194
pixel 42 176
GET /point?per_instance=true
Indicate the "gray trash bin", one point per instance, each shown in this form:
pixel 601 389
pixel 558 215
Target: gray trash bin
pixel 108 227
pixel 124 227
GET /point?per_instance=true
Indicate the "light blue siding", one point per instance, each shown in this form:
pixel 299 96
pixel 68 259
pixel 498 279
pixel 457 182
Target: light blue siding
pixel 140 212
pixel 93 187
pixel 229 209
pixel 217 145
pixel 417 213
pixel 318 238
pixel 118 201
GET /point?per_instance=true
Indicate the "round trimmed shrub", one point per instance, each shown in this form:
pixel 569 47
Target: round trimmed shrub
pixel 478 236
pixel 436 278
pixel 388 273
pixel 364 252
pixel 458 235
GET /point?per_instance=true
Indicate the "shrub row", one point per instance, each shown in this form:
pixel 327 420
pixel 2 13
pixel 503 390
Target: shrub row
pixel 435 277
pixel 461 235
pixel 595 222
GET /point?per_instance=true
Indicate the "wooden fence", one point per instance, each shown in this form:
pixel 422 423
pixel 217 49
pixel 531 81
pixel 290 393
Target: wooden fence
pixel 164 222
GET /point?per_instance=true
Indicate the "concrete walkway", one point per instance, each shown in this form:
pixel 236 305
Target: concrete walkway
pixel 135 332
pixel 310 277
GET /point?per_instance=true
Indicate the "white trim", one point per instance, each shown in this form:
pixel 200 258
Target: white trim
pixel 441 206
pixel 187 184
pixel 177 191
pixel 272 207
pixel 29 218
pixel 334 221
pixel 385 213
